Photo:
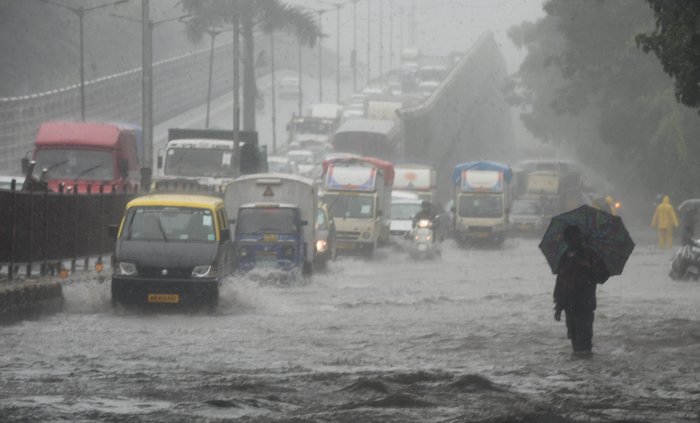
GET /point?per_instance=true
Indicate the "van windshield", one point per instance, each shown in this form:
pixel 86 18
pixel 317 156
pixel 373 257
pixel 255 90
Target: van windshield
pixel 350 206
pixel 480 205
pixel 266 220
pixel 168 224
pixel 75 164
pixel 212 162
pixel 312 127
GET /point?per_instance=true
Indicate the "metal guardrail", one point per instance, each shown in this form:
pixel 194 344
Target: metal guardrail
pixel 465 118
pixel 180 83
pixel 44 227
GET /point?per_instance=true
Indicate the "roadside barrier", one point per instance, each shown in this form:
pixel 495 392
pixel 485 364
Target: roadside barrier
pixel 48 228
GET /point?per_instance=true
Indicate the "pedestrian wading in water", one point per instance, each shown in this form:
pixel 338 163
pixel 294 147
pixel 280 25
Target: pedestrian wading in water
pixel 580 270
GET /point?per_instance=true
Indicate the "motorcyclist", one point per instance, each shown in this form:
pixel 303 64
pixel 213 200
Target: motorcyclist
pixel 427 212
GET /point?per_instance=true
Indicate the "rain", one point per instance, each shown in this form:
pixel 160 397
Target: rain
pixel 349 210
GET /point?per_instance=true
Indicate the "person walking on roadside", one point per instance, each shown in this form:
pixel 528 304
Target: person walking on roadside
pixel 665 220
pixel 580 270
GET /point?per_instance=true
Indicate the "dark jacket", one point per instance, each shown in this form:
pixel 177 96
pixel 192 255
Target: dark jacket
pixel 423 215
pixel 580 270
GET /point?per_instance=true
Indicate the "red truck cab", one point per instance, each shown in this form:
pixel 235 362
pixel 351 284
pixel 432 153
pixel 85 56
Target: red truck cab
pixel 87 155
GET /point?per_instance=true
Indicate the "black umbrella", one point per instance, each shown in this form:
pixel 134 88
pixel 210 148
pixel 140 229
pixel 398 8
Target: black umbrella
pixel 601 231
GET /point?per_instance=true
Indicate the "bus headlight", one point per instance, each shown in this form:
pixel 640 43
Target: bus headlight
pixel 321 245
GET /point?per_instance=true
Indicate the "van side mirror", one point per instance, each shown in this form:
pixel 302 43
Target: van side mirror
pixel 25 165
pixel 160 162
pixel 225 235
pixel 113 231
pixel 124 167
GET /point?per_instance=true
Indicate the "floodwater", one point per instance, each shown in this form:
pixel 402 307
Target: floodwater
pixel 467 337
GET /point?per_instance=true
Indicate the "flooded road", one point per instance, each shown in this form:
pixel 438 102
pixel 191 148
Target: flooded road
pixel 467 337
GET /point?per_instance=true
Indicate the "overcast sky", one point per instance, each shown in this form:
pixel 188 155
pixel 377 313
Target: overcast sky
pixel 441 26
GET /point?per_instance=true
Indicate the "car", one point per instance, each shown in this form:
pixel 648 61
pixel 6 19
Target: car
pixel 527 217
pixel 305 161
pixel 289 87
pixel 171 250
pixel 426 88
pixel 281 164
pixel 325 246
pixel 404 205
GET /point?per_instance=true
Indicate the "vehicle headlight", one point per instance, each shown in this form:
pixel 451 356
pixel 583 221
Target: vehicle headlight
pixel 125 268
pixel 204 271
pixel 366 235
pixel 321 245
pixel 243 252
pixel 428 237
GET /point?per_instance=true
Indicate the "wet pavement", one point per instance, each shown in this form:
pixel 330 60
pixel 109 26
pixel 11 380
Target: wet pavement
pixel 467 337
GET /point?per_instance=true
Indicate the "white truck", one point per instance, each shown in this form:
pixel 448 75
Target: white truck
pixel 273 217
pixel 481 201
pixel 358 195
pixel 418 178
pixel 317 126
pixel 206 157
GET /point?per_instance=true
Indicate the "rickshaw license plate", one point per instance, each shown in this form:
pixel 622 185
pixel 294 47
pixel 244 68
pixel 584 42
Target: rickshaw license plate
pixel 164 298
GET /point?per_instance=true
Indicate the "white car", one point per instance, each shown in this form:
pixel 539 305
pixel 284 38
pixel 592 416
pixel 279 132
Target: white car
pixel 281 164
pixel 403 208
pixel 289 87
pixel 305 161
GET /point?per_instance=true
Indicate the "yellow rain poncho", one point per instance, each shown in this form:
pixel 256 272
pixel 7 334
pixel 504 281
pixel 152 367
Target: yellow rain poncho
pixel 665 220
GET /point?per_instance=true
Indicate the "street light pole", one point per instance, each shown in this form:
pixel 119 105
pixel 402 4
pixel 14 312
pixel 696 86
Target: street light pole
pixel 381 38
pixel 391 34
pixel 147 93
pixel 337 53
pixel 369 41
pixel 354 45
pixel 274 105
pixel 301 92
pixel 80 12
pixel 320 56
pixel 236 89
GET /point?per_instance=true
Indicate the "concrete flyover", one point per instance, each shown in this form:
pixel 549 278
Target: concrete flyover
pixel 466 118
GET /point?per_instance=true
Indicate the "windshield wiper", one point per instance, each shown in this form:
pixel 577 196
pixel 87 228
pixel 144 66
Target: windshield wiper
pixel 54 166
pixel 160 228
pixel 88 170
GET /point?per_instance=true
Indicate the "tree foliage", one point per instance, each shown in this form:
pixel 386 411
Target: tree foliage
pixel 265 16
pixel 676 42
pixel 585 84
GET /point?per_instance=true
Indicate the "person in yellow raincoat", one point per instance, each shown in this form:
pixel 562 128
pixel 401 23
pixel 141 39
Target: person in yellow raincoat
pixel 665 220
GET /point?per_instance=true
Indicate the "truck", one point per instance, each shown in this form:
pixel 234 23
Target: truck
pixel 316 126
pixel 358 195
pixel 481 201
pixel 86 156
pixel 206 157
pixel 272 218
pixel 418 178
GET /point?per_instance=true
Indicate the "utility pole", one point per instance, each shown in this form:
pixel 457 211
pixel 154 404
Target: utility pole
pixel 274 105
pixel 212 33
pixel 236 88
pixel 354 45
pixel 413 25
pixel 80 12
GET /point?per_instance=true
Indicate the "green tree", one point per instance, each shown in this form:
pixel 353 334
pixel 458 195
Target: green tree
pixel 255 16
pixel 676 42
pixel 586 85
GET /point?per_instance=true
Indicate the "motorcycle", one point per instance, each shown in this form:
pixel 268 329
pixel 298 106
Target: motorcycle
pixel 686 263
pixel 423 245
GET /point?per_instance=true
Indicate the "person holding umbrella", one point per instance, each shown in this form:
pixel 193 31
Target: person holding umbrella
pixel 580 270
pixel 583 247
